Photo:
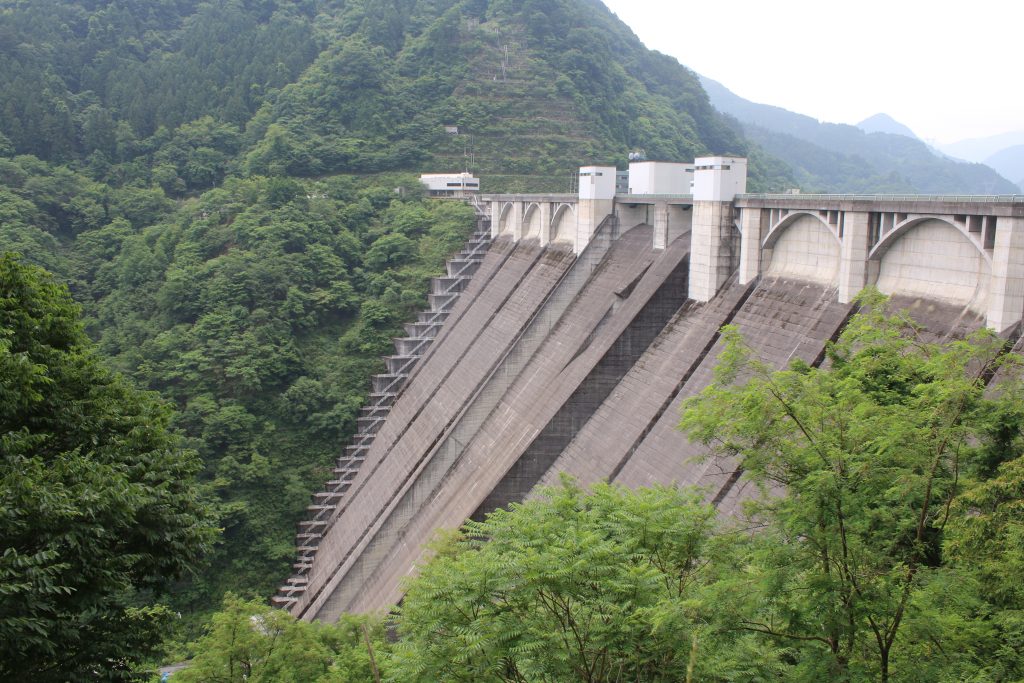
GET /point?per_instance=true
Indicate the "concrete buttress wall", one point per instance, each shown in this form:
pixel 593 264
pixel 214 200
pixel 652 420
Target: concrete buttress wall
pixel 432 401
pixel 487 438
pixel 711 248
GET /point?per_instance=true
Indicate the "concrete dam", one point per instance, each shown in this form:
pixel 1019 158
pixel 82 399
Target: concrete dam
pixel 570 329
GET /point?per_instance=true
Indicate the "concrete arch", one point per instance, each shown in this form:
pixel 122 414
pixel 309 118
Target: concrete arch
pixel 894 235
pixel 563 224
pixel 776 231
pixel 933 258
pixel 532 223
pixel 504 217
pixel 804 247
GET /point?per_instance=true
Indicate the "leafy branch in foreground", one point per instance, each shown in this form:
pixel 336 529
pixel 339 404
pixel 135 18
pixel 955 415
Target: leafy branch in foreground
pixel 862 465
pixel 604 585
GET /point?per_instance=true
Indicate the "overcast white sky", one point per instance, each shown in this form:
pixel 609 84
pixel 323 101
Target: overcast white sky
pixel 948 69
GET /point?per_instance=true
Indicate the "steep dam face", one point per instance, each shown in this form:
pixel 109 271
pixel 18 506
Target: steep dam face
pixel 575 358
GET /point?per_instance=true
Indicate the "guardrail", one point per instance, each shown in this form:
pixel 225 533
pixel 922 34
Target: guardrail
pixel 980 198
pixel 987 198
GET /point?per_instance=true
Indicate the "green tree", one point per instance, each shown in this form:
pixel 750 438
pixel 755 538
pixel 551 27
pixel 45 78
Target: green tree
pixel 986 541
pixel 97 499
pixel 861 463
pixel 249 642
pixel 571 586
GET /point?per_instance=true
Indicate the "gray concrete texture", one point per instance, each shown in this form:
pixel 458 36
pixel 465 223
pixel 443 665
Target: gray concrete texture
pixel 444 380
pixel 550 363
pixel 488 437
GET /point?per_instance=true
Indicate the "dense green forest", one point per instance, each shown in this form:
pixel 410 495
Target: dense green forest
pixel 179 93
pixel 99 505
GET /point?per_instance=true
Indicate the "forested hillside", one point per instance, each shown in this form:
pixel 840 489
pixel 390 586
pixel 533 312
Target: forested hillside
pixel 179 93
pixel 226 188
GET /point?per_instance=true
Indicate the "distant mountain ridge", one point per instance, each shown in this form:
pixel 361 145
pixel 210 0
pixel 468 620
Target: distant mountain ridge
pixel 883 123
pixel 979 149
pixel 830 157
pixel 1003 152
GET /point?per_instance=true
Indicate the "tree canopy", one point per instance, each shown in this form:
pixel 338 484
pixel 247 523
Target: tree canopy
pixel 98 499
pixel 873 469
pixel 573 586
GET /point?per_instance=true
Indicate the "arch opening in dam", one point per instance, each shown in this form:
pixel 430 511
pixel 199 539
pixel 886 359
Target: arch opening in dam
pixel 932 258
pixel 532 222
pixel 504 223
pixel 563 224
pixel 803 247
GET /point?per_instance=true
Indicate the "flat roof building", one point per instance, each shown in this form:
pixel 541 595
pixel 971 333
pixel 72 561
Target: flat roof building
pixel 450 184
pixel 660 177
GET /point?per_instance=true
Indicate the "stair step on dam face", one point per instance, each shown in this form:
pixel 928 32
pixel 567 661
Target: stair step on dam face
pixel 432 316
pixel 442 302
pixel 409 346
pixel 388 382
pixel 426 330
pixel 373 410
pixel 448 285
pixel 401 364
pixel 462 267
pixel 385 389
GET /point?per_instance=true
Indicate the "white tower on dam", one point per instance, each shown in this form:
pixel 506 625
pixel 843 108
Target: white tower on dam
pixel 596 201
pixel 713 257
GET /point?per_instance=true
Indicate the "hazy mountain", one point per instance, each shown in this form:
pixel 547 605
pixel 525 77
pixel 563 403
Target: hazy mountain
pixel 883 123
pixel 979 149
pixel 835 157
pixel 765 115
pixel 1010 163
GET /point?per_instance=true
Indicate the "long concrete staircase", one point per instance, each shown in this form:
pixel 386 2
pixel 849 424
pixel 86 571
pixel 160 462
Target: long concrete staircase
pixel 444 292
